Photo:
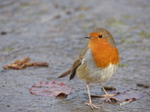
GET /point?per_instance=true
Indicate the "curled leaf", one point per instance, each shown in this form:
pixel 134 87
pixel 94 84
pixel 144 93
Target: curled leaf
pixel 21 64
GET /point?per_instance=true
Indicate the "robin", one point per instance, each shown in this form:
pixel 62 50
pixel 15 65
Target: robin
pixel 96 63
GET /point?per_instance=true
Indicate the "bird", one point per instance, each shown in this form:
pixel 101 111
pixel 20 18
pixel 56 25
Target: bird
pixel 96 63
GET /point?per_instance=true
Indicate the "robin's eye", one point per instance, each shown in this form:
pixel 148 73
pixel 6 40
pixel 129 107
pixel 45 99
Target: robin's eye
pixel 100 36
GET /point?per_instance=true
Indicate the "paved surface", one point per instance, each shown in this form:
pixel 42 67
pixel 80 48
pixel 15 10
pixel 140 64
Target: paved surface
pixel 53 31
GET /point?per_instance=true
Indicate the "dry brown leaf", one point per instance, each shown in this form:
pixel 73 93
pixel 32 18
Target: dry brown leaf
pixel 21 64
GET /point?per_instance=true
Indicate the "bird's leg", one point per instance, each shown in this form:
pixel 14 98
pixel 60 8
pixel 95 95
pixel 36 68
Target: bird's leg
pixel 108 96
pixel 90 100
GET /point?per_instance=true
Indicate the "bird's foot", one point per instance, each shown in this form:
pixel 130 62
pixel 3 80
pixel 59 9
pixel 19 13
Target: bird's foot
pixel 92 105
pixel 109 97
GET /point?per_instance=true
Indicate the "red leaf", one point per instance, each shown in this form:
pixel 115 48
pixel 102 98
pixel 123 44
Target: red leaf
pixel 126 96
pixel 51 89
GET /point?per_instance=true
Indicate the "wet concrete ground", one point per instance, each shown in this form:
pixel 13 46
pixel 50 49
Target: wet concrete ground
pixel 53 31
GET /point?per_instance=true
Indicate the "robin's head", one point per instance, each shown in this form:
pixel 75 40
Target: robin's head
pixel 102 47
pixel 101 35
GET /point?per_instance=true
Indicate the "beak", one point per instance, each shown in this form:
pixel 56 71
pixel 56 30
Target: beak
pixel 88 37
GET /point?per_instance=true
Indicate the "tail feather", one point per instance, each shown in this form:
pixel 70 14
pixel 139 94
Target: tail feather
pixel 72 71
pixel 65 74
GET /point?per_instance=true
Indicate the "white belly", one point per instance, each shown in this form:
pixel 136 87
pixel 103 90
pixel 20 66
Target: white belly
pixel 92 73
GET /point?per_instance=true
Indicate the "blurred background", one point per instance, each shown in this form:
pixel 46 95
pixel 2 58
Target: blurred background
pixel 54 31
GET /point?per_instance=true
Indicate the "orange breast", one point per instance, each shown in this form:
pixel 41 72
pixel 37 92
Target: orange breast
pixel 103 53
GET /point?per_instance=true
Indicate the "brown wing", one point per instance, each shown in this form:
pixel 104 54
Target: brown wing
pixel 75 65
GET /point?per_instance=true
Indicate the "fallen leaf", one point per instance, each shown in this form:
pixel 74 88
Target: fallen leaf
pixel 143 85
pixel 125 95
pixel 3 33
pixel 51 89
pixel 21 64
pixel 109 88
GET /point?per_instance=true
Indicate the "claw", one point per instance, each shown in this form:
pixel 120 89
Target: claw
pixel 109 97
pixel 90 100
pixel 92 105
